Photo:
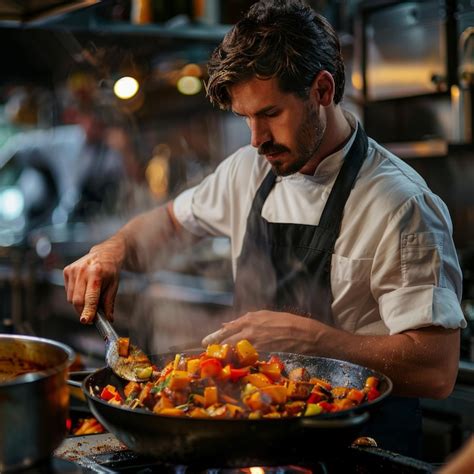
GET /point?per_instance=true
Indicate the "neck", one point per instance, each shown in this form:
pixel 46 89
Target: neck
pixel 336 135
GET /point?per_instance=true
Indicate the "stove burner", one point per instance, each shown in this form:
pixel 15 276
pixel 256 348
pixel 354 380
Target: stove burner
pixel 129 461
pixel 104 454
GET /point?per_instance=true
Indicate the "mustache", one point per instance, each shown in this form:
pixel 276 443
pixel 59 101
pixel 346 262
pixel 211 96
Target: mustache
pixel 269 148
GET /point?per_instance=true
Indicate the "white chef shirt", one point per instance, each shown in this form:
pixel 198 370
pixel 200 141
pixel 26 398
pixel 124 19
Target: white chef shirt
pixel 394 265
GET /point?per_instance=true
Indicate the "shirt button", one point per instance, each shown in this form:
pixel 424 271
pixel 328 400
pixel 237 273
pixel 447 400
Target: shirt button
pixel 411 238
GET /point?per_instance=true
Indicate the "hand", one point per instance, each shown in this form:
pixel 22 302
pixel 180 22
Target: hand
pixel 270 331
pixel 94 279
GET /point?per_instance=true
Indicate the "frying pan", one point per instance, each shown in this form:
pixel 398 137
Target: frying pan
pixel 239 442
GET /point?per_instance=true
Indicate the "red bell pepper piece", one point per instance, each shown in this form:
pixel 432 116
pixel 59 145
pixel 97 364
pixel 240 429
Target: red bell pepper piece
pixel 237 374
pixel 210 367
pixel 276 360
pixel 372 394
pixel 327 407
pixel 108 392
pixel 315 397
pixel 118 397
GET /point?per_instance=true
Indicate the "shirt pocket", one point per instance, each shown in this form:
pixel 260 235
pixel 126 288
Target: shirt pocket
pixel 352 270
pixel 421 258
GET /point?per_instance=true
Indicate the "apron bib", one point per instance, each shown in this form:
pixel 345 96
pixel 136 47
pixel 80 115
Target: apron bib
pixel 287 267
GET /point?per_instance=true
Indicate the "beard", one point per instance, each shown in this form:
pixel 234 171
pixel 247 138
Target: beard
pixel 308 138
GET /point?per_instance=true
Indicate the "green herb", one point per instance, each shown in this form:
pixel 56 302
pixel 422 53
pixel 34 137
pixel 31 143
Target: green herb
pixel 161 386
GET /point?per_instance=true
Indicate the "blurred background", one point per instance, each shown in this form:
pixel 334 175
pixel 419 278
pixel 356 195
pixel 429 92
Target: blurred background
pixel 103 115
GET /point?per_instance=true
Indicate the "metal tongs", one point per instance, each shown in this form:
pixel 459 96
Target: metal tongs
pixel 136 367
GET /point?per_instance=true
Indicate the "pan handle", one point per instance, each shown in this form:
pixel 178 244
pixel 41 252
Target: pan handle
pixel 334 423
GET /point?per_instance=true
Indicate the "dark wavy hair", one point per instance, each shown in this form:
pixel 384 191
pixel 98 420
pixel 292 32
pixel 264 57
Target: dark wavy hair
pixel 277 38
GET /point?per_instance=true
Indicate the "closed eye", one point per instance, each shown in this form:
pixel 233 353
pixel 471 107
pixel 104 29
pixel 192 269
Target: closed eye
pixel 271 113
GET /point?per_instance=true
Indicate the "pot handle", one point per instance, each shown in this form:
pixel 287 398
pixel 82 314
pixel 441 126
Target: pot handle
pixel 78 374
pixel 334 423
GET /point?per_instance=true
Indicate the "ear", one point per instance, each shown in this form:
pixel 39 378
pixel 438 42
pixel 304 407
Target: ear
pixel 322 88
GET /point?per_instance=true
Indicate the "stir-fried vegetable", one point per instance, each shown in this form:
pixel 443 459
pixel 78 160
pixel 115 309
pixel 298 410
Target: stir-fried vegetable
pixel 231 382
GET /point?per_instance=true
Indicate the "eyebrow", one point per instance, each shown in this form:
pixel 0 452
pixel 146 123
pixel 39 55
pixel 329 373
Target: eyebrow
pixel 259 112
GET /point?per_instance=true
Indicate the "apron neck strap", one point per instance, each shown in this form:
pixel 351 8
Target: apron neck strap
pixel 333 212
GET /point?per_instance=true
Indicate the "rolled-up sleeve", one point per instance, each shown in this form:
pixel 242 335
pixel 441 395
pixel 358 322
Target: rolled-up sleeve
pixel 206 209
pixel 416 277
pixel 183 211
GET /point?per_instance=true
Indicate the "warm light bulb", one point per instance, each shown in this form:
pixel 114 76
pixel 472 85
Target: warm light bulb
pixel 126 87
pixel 189 85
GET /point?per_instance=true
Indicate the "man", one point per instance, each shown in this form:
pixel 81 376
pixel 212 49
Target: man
pixel 339 248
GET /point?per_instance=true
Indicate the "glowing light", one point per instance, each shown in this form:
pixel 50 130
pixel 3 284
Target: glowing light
pixel 126 87
pixel 256 470
pixel 43 247
pixel 157 173
pixel 12 203
pixel 189 85
pixel 191 69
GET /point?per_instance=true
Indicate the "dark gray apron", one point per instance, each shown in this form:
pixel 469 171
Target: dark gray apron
pixel 287 267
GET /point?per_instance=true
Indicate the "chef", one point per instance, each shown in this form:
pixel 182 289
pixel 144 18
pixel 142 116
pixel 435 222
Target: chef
pixel 339 248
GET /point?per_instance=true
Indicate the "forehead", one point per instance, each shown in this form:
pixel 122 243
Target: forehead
pixel 250 96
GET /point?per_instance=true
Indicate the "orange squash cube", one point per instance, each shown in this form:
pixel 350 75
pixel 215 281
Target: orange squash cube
pixel 210 396
pixel 258 380
pixel 179 379
pixel 278 393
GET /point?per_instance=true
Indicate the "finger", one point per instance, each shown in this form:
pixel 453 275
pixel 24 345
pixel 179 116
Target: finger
pixel 70 285
pixel 66 277
pixel 77 290
pixel 108 300
pixel 91 300
pixel 213 338
pixel 227 330
pixel 234 339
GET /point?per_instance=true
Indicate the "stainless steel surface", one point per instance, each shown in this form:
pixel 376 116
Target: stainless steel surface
pixel 78 447
pixel 125 368
pixel 34 406
pixel 406 50
pixel 28 10
pixel 103 454
pixel 462 95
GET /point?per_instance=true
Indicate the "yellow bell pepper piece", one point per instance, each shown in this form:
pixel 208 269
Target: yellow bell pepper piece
pixel 246 353
pixel 192 366
pixel 313 409
pixel 219 351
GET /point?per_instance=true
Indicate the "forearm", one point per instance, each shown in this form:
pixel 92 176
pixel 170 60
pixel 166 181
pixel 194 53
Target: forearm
pixel 149 237
pixel 420 362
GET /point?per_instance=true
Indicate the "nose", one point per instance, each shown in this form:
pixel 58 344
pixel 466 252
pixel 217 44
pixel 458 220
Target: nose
pixel 260 133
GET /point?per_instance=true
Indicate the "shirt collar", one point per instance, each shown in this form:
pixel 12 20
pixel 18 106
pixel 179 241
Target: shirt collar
pixel 332 163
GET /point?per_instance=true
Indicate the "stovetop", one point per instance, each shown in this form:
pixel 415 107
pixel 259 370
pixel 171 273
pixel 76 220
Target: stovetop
pixel 103 453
